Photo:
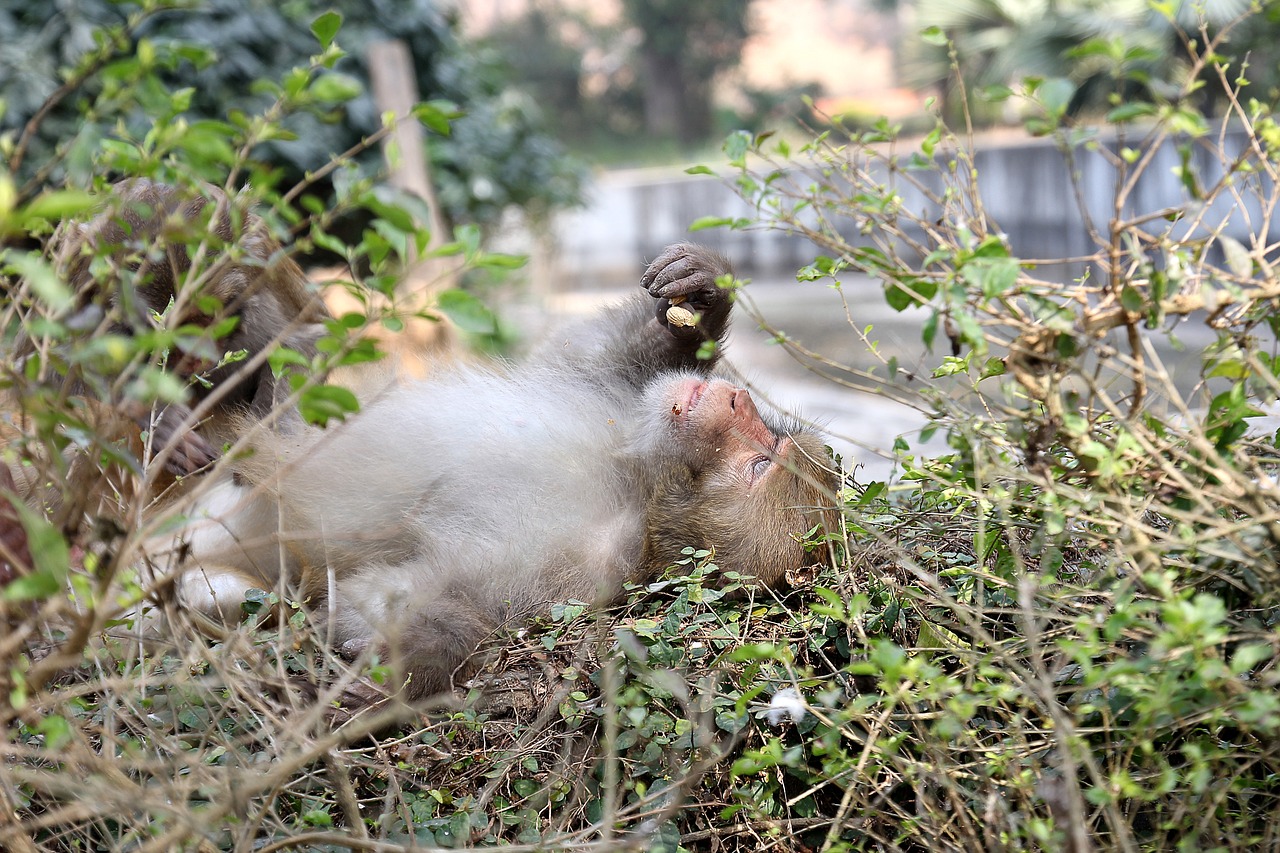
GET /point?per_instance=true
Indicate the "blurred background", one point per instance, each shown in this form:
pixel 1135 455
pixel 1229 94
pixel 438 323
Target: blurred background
pixel 580 119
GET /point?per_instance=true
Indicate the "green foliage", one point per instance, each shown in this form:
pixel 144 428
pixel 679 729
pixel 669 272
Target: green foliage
pixel 1062 632
pixel 1089 56
pixel 150 736
pixel 221 53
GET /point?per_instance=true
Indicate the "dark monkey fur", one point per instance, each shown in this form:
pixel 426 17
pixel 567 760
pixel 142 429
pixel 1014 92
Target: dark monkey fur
pixel 145 237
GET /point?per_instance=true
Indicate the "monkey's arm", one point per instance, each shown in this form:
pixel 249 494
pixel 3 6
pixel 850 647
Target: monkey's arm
pixel 636 339
pixel 185 451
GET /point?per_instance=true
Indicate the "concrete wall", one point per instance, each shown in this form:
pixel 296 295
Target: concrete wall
pixel 1026 189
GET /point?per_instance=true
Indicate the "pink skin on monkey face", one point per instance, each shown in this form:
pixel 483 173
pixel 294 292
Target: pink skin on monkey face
pixel 719 416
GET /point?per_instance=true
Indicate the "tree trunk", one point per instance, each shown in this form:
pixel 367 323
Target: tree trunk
pixel 664 87
pixel 675 107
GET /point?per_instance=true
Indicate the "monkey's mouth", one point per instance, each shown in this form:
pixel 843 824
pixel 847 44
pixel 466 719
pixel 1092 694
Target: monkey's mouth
pixel 695 395
pixel 687 395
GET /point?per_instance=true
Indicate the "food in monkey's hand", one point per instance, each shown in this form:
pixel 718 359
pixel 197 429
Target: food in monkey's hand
pixel 455 508
pixel 679 316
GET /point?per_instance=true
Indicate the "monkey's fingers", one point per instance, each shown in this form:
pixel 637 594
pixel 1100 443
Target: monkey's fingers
pixel 682 319
pixel 190 453
pixel 363 699
pixel 688 275
pixel 682 276
pixel 668 255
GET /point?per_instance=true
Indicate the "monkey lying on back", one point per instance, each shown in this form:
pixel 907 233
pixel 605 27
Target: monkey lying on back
pixel 452 508
pixel 144 235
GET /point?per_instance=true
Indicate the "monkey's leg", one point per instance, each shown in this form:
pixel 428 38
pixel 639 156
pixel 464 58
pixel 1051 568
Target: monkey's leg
pixel 216 592
pixel 230 544
pixel 433 647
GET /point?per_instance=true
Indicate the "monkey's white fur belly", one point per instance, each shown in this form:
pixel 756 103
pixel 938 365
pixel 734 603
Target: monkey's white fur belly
pixel 494 508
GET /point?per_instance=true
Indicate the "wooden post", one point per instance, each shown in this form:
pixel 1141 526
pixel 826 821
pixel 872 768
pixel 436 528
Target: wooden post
pixel 395 90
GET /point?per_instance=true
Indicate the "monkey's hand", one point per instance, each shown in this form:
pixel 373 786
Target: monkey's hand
pixel 683 280
pixel 187 450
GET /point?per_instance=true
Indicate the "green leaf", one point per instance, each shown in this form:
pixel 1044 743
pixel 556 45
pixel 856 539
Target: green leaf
pixel 736 146
pixel 1130 112
pixel 1055 94
pixel 991 247
pixel 929 330
pixel 8 195
pixel 699 170
pixel 1248 656
pixel 704 222
pixel 822 267
pixel 970 331
pixel 467 312
pixel 1131 299
pixel 210 141
pixel 1060 318
pixel 326 27
pixel 60 204
pixel 282 357
pixel 46 284
pixel 336 88
pixel 328 241
pixel 500 261
pixel 930 143
pixel 1186 172
pixel 934 36
pixel 49 555
pixel 1187 121
pixel 56 731
pixel 756 651
pixel 1239 261
pixel 900 295
pixel 995 94
pixel 992 276
pixel 320 404
pixel 437 115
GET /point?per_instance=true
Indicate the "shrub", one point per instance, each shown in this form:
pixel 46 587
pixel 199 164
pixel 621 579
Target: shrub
pixel 1059 634
pixel 1065 636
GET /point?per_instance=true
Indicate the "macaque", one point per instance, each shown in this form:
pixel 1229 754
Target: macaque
pixel 457 507
pixel 15 554
pixel 146 236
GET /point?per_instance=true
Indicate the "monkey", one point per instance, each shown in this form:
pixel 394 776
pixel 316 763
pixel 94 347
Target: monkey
pixel 453 508
pixel 146 234
pixel 15 553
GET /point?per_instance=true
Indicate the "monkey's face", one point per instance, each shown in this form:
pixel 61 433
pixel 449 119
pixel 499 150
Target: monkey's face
pixel 752 490
pixel 717 425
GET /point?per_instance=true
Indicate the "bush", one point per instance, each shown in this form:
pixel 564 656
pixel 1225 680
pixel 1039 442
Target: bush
pixel 1066 627
pixel 220 52
pixel 1060 635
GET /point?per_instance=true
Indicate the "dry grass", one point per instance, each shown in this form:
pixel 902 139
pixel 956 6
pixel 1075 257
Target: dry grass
pixel 1061 635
